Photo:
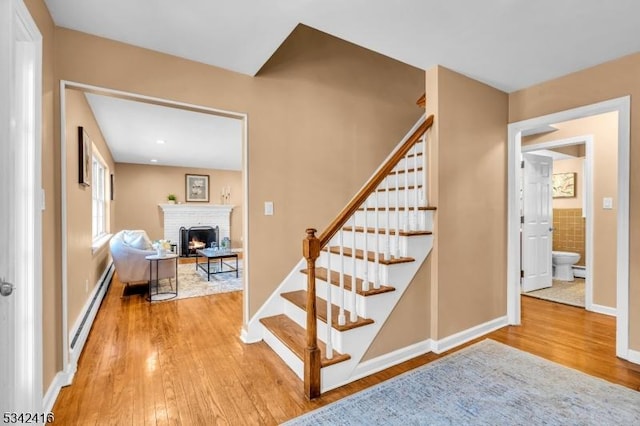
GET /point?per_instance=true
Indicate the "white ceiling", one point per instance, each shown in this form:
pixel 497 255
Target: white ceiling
pixel 508 44
pixel 191 139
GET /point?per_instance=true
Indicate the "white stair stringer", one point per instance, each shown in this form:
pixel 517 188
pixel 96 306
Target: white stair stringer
pixel 356 342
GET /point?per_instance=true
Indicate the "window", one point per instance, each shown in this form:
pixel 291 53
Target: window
pixel 99 197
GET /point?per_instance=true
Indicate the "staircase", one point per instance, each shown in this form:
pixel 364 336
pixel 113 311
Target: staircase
pixel 324 316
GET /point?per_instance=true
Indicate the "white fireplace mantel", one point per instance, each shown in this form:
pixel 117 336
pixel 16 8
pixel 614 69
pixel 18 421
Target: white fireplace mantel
pixel 187 215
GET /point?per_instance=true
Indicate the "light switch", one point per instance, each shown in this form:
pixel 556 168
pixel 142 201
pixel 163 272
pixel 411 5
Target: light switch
pixel 268 208
pixel 607 203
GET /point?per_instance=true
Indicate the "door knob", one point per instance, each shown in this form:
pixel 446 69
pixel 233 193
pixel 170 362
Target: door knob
pixel 6 288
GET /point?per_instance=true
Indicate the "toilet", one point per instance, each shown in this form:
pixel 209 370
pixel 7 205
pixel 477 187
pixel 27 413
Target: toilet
pixel 562 264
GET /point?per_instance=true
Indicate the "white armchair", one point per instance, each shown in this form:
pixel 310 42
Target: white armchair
pixel 128 249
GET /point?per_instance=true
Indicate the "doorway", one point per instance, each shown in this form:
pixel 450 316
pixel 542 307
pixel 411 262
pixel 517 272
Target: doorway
pixel 515 132
pixel 572 216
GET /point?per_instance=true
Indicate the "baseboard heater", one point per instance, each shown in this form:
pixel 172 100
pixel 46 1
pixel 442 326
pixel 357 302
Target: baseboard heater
pixel 105 281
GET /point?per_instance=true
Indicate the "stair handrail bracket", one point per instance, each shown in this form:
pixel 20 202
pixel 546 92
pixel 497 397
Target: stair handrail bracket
pixel 313 246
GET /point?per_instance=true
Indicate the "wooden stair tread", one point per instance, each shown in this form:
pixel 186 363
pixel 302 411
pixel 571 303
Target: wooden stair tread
pixel 384 231
pixel 400 187
pixel 422 208
pixel 371 255
pixel 299 298
pixel 321 274
pixel 411 170
pixel 294 337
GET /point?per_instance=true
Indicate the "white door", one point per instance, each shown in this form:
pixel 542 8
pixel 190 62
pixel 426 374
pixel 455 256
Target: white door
pixel 537 226
pixel 20 217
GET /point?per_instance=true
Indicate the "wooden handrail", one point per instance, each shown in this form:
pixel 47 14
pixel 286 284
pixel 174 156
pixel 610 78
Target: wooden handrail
pixel 312 245
pixel 373 183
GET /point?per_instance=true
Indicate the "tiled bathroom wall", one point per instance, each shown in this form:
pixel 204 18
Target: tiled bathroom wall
pixel 569 232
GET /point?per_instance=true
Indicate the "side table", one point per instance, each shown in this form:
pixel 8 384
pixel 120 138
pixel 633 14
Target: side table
pixel 164 293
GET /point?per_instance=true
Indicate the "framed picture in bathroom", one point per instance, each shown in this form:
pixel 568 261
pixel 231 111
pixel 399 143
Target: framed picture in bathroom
pixel 564 185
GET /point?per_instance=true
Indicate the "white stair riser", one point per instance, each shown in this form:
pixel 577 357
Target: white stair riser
pixel 321 291
pixel 403 181
pixel 348 262
pixel 383 241
pixel 422 220
pixel 299 316
pixel 381 198
pixel 410 162
pixel 283 352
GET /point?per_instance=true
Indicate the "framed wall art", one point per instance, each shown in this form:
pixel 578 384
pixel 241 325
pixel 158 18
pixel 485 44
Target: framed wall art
pixel 564 185
pixel 84 157
pixel 197 188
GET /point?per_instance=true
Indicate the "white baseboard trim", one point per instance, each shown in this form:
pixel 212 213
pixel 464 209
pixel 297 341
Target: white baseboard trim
pixel 390 359
pixel 633 356
pixel 450 342
pixel 81 328
pixel 606 310
pixel 52 393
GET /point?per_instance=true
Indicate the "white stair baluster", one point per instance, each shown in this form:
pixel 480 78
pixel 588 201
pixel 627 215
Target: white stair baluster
pixel 387 222
pixel 376 234
pixel 416 189
pixel 329 343
pixel 397 216
pixel 365 257
pixel 341 317
pixel 354 314
pixel 406 192
pixel 425 177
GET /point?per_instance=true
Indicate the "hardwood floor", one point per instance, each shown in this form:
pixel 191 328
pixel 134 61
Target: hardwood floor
pixel 182 363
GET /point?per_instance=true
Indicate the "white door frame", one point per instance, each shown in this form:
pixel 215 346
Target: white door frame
pixel 587 140
pixel 623 107
pixel 25 81
pixel 67 367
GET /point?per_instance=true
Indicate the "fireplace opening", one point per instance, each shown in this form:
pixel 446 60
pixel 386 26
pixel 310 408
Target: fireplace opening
pixel 196 238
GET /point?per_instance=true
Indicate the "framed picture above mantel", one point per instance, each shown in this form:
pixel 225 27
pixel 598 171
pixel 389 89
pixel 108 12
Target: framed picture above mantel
pixel 197 188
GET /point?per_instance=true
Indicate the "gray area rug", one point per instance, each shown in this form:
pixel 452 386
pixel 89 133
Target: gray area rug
pixel 487 383
pixel 567 292
pixel 193 283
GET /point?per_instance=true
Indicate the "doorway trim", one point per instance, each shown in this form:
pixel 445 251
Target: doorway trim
pixel 22 92
pixel 67 368
pixel 623 106
pixel 587 140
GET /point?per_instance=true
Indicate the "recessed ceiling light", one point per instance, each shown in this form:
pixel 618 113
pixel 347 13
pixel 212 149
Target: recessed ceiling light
pixel 160 142
pixel 153 160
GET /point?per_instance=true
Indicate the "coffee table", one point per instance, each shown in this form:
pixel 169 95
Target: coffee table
pixel 221 267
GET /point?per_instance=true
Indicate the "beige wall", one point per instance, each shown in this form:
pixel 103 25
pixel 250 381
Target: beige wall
pixel 322 115
pixel 470 194
pixel 607 81
pixel 604 129
pixel 84 267
pixel 51 260
pixel 140 188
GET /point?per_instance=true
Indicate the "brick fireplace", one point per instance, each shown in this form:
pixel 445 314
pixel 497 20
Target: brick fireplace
pixel 177 216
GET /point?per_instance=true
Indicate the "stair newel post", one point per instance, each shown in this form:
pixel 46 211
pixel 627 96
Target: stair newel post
pixel 407 227
pixel 311 251
pixel 341 317
pixel 354 315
